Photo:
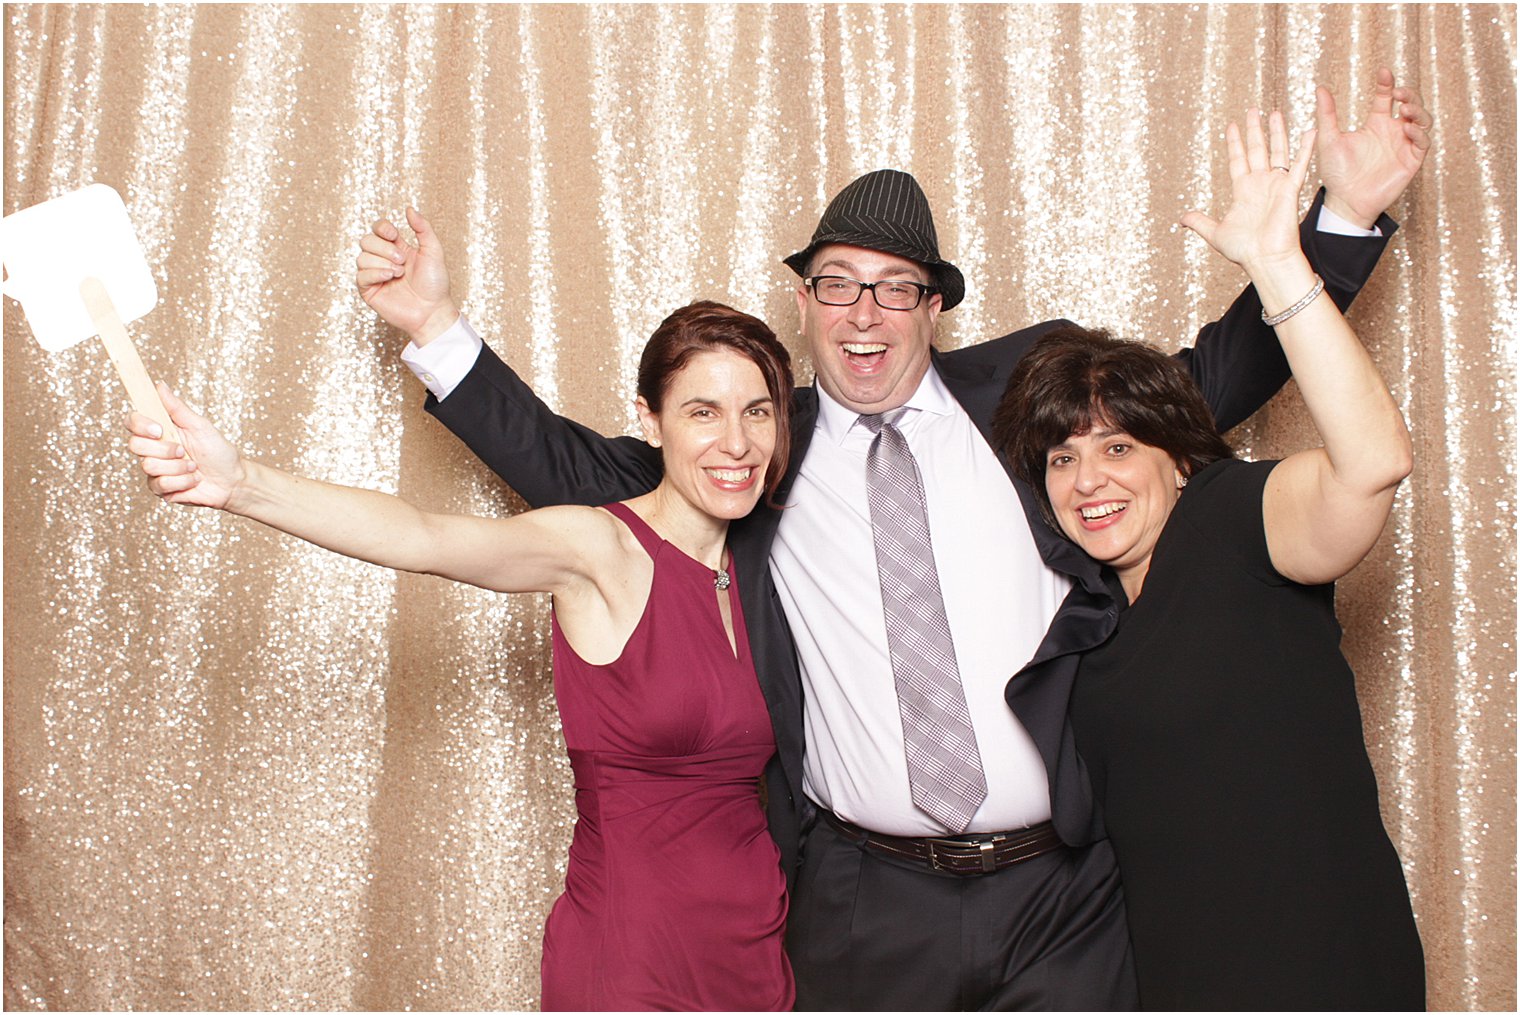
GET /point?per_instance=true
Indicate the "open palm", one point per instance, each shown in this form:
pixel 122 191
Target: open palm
pixel 1261 223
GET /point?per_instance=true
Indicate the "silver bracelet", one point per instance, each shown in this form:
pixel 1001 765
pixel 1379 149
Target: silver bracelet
pixel 1276 319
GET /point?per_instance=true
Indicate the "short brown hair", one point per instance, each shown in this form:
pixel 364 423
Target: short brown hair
pixel 1073 377
pixel 706 326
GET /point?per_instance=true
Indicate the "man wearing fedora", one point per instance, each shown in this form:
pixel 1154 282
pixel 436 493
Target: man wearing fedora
pixel 915 641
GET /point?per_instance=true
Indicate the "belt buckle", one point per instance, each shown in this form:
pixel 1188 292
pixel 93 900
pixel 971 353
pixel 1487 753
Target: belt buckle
pixel 985 855
pixel 934 861
pixel 946 864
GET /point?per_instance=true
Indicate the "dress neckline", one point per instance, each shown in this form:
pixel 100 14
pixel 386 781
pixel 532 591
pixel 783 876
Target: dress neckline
pixel 652 541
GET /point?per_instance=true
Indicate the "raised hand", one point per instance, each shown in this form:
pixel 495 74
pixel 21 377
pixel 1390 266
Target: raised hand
pixel 1261 225
pixel 406 285
pixel 1366 169
pixel 205 470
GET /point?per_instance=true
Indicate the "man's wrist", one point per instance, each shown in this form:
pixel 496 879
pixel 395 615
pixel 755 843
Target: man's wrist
pixel 1351 216
pixel 439 321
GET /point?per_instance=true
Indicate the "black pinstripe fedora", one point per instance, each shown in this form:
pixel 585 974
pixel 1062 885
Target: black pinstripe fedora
pixel 885 210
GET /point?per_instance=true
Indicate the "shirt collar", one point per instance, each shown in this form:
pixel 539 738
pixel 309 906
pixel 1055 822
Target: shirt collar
pixel 835 421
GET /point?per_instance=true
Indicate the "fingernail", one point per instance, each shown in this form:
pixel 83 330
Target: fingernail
pixel 155 431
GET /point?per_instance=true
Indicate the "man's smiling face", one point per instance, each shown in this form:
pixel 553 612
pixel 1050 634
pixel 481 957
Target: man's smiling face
pixel 867 358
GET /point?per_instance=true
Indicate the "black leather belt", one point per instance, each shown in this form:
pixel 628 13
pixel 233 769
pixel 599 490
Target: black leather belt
pixel 966 855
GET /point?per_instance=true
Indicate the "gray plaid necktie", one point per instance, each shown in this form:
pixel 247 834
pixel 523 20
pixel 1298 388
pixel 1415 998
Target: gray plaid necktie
pixel 944 765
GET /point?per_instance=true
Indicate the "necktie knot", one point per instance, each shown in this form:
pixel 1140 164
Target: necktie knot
pixel 875 422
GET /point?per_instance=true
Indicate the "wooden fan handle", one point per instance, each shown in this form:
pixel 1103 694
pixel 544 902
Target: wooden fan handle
pixel 123 353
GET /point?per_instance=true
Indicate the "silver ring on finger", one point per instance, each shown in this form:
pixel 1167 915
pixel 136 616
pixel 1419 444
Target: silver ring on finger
pixel 1281 169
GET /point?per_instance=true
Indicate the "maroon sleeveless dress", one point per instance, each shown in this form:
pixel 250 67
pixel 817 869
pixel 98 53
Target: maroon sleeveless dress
pixel 674 897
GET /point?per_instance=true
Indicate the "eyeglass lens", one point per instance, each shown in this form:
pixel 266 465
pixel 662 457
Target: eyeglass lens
pixel 890 294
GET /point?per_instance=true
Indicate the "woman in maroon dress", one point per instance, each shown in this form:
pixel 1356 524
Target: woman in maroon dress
pixel 674 897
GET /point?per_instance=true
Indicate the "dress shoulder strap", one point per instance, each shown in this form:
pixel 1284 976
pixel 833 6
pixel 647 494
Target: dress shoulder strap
pixel 647 537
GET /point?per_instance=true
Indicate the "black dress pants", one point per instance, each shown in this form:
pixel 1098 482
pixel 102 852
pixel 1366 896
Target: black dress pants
pixel 872 933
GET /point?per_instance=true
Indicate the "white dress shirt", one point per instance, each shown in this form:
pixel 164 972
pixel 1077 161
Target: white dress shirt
pixel 999 600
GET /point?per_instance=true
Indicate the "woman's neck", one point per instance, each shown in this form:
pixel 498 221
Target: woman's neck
pixel 694 532
pixel 1132 579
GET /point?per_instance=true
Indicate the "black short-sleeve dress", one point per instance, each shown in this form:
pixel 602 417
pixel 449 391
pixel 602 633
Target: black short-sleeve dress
pixel 1221 728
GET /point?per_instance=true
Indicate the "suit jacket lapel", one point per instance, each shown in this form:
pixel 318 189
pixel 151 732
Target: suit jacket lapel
pixel 1039 693
pixel 770 640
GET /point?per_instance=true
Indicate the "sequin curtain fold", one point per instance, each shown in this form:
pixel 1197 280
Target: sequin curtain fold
pixel 244 773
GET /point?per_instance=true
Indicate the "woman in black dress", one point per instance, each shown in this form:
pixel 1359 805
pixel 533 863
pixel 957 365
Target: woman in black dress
pixel 1219 722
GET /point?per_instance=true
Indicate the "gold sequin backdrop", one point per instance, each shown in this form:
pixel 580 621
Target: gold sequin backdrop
pixel 244 773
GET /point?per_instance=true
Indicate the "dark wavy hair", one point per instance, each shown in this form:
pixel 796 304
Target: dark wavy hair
pixel 706 326
pixel 1072 378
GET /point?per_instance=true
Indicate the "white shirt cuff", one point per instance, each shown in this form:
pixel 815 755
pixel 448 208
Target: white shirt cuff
pixel 1330 222
pixel 444 362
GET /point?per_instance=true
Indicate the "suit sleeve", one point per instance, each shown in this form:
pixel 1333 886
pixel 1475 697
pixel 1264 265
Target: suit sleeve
pixel 1237 360
pixel 545 457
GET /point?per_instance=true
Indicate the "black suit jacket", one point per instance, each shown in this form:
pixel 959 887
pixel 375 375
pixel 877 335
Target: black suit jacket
pixel 548 459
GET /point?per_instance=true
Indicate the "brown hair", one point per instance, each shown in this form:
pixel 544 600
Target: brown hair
pixel 1072 377
pixel 706 326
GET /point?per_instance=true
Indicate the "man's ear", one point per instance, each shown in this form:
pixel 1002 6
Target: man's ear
pixel 649 421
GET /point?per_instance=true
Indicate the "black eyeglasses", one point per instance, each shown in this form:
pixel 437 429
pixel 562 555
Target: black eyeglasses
pixel 889 293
